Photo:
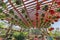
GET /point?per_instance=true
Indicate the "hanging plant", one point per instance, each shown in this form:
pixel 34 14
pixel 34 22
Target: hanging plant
pixel 11 11
pixel 52 22
pixel 45 7
pixel 25 16
pixel 51 12
pixel 27 19
pixel 44 23
pixel 18 2
pixel 42 15
pixel 54 17
pixel 7 15
pixel 19 19
pixel 58 9
pixel 23 10
pixel 1 10
pixel 3 4
pixel 42 20
pixel 16 16
pixel 50 29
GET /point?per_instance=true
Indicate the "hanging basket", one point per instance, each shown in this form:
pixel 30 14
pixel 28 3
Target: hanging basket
pixel 36 14
pixel 38 7
pixel 55 20
pixel 51 12
pixel 58 17
pixel 50 29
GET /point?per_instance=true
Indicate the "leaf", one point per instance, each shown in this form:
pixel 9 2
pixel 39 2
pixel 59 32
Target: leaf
pixel 3 4
pixel 1 10
pixel 58 9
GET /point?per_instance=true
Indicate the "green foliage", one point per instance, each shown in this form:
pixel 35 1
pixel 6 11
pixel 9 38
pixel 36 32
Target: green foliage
pixel 11 11
pixel 54 17
pixel 1 10
pixel 45 7
pixel 19 36
pixel 16 16
pixel 56 33
pixel 7 15
pixel 2 25
pixel 18 2
pixel 3 4
pixel 58 9
pixel 23 11
pixel 26 16
pixel 2 16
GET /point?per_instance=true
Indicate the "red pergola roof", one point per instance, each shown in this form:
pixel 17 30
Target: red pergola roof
pixel 33 11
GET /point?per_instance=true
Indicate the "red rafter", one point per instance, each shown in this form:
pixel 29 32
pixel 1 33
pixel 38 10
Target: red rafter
pixel 23 19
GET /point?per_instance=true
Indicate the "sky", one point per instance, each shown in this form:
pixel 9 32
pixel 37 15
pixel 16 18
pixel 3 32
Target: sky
pixel 56 24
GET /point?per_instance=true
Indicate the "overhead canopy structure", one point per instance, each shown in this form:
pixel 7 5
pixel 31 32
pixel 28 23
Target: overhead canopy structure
pixel 30 13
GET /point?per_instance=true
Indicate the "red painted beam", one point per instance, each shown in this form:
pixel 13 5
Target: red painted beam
pixel 27 12
pixel 23 19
